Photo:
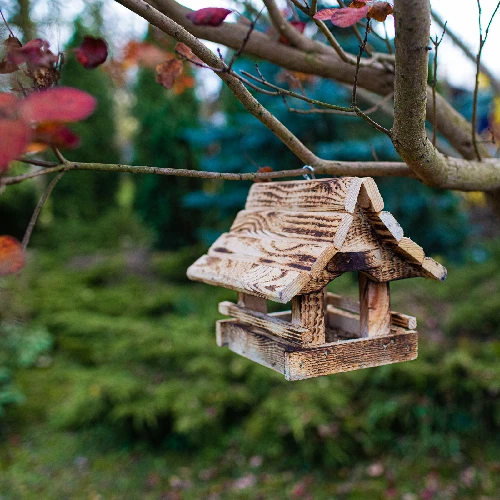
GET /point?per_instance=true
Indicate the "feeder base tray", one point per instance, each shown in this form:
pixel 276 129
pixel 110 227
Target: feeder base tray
pixel 340 354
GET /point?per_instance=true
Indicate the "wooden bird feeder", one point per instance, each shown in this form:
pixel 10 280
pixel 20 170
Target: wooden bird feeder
pixel 292 239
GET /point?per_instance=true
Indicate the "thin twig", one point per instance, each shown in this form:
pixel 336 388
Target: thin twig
pixel 38 209
pixel 59 155
pixel 436 42
pixel 37 162
pixel 361 50
pixel 289 93
pixel 238 52
pixel 6 24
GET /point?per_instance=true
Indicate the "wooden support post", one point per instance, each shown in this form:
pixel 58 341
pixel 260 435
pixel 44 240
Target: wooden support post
pixel 308 311
pixel 375 307
pixel 252 302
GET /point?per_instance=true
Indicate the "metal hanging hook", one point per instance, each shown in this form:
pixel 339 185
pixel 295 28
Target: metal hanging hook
pixel 308 177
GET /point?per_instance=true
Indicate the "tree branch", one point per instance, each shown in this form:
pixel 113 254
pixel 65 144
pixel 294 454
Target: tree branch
pixel 375 78
pixel 323 167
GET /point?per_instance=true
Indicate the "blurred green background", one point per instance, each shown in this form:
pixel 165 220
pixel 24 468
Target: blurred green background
pixel 111 385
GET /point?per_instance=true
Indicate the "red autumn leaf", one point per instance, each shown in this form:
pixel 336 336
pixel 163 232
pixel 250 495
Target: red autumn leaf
pixel 380 10
pixel 12 258
pixel 167 72
pixel 14 137
pixel 263 170
pixel 55 134
pixel 349 16
pixel 61 104
pixel 183 50
pixel 92 52
pixel 325 14
pixel 36 52
pixel 209 16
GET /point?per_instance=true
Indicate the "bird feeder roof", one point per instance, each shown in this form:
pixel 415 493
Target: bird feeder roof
pixel 297 235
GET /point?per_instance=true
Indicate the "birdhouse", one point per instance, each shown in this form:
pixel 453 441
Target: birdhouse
pixel 291 240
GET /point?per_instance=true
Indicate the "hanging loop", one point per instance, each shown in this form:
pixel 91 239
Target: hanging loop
pixel 308 177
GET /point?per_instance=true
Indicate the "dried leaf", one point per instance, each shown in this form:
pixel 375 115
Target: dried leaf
pixel 344 18
pixel 12 258
pixel 36 53
pixel 262 170
pixel 14 137
pixel 380 10
pixel 55 134
pixel 209 16
pixel 92 52
pixel 183 50
pixel 167 72
pixel 61 104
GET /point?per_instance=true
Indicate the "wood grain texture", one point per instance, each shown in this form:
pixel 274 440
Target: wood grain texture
pixel 352 306
pixel 394 268
pixel 410 251
pixel 386 227
pixel 272 283
pixel 355 261
pixel 346 321
pixel 369 198
pixel 318 281
pixel 375 307
pixel 298 363
pixel 254 344
pixel 282 252
pixel 309 312
pixel 289 331
pixel 433 269
pixel 314 195
pixel 361 236
pixel 252 302
pixel 328 227
pixel 349 355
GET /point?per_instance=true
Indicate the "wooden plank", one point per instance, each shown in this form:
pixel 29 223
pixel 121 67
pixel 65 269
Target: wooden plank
pixel 410 251
pixel 369 198
pixel 361 236
pixel 221 330
pixel 355 261
pixel 272 283
pixel 433 269
pixel 254 345
pixel 285 253
pixel 328 227
pixel 343 320
pixel 289 331
pixel 314 195
pixel 298 363
pixel 386 227
pixel 309 312
pixel 375 307
pixel 348 355
pixel 318 281
pixel 352 306
pixel 252 302
pixel 394 268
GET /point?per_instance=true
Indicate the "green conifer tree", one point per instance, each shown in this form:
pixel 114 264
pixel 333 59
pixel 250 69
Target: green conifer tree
pixel 163 116
pixel 85 195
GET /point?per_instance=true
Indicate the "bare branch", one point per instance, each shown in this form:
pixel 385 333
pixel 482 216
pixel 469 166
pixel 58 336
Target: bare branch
pixel 38 209
pixel 436 42
pixel 323 167
pixel 495 84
